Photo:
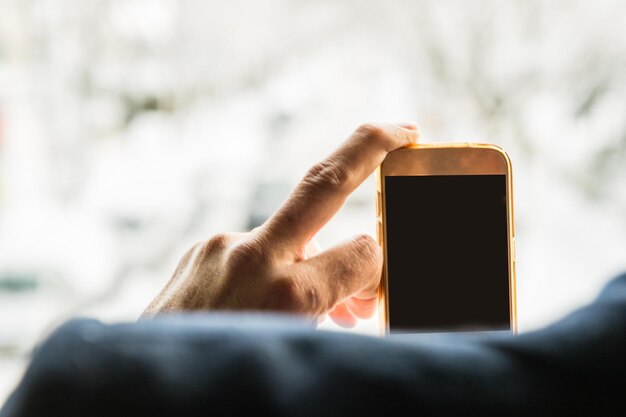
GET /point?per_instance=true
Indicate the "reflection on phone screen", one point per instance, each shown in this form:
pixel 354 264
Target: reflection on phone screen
pixel 447 254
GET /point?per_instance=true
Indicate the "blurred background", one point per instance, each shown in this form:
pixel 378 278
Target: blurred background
pixel 131 129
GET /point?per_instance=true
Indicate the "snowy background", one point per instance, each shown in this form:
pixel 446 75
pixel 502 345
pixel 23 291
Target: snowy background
pixel 131 129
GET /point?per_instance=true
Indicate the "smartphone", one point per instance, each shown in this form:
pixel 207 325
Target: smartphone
pixel 445 223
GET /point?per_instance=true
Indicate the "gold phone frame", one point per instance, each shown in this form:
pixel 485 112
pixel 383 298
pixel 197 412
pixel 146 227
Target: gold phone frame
pixel 444 159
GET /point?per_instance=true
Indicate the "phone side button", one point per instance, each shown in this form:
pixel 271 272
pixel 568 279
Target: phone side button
pixel 379 231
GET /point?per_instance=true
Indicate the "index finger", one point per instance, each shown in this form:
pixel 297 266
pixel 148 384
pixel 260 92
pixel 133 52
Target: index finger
pixel 325 187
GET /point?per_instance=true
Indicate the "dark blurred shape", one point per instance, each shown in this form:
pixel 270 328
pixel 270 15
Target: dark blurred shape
pixel 18 281
pixel 128 223
pixel 138 105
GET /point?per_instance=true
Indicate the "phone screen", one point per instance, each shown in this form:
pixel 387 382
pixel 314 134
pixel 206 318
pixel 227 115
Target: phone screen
pixel 447 253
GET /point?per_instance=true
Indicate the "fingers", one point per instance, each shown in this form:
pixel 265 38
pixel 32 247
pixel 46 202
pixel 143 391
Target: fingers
pixel 343 271
pixel 362 308
pixel 342 316
pixel 346 313
pixel 325 187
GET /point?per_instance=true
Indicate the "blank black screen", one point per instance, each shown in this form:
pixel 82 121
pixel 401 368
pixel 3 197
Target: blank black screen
pixel 447 254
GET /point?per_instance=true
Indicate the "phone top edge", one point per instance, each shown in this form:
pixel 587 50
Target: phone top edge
pixel 445 159
pixel 452 145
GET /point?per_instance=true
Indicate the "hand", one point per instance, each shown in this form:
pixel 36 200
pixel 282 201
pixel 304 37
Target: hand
pixel 278 266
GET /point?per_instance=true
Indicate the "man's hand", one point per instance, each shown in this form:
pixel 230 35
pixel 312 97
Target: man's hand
pixel 278 266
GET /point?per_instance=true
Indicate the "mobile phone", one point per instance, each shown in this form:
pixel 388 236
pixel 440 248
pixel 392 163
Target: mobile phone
pixel 445 223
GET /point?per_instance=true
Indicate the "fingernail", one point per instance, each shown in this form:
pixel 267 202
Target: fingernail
pixel 408 125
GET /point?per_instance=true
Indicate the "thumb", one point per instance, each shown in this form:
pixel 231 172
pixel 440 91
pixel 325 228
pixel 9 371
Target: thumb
pixel 350 268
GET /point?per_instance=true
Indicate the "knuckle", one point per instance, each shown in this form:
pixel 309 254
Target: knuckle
pixel 367 247
pixel 328 174
pixel 219 241
pixel 247 254
pixel 245 265
pixel 383 136
pixel 371 131
pixel 216 243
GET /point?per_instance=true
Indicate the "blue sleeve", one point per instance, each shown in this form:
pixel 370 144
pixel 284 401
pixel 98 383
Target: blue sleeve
pixel 231 364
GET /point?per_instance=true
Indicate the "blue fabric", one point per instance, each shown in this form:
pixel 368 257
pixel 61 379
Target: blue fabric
pixel 235 364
